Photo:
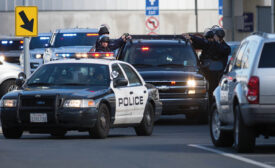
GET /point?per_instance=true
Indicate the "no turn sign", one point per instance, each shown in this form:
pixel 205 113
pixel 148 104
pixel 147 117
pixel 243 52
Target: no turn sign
pixel 152 23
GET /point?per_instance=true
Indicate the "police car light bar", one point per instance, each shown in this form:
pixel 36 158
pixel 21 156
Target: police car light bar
pixel 44 38
pixel 91 34
pixel 69 35
pixel 108 55
pixel 145 48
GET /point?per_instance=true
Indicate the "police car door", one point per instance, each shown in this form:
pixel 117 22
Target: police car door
pixel 123 109
pixel 138 93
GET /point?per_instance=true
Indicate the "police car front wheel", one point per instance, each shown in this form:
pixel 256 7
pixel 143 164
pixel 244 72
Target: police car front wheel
pixel 147 124
pixel 102 126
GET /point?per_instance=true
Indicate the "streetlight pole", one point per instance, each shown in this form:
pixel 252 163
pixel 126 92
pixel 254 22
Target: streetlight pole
pixel 272 16
pixel 26 50
pixel 196 14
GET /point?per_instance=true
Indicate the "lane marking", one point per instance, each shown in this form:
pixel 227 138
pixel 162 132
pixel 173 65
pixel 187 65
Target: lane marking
pixel 237 157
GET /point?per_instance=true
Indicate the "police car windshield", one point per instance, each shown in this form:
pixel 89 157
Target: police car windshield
pixel 71 75
pixel 7 45
pixel 74 39
pixel 159 55
pixel 39 42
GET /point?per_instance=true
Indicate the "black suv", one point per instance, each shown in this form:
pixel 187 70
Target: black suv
pixel 170 63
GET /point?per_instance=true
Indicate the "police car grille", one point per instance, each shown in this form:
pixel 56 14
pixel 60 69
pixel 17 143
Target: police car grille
pixel 32 104
pixel 167 83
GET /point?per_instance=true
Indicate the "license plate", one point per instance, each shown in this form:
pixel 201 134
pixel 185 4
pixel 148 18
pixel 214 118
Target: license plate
pixel 38 117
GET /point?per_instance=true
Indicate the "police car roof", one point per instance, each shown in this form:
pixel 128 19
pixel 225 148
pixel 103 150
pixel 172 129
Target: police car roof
pixel 85 61
pixel 10 38
pixel 78 30
pixel 44 34
pixel 159 41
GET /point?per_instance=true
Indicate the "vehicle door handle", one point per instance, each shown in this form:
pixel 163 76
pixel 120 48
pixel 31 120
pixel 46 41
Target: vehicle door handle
pixel 234 80
pixel 131 92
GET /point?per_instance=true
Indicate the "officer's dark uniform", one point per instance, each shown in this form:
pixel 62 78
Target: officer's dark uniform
pixel 216 52
pixel 113 43
pixel 100 48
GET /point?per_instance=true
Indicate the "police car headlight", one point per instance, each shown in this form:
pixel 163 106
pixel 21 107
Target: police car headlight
pixel 79 103
pixel 191 83
pixel 8 103
pixel 2 58
pixel 38 56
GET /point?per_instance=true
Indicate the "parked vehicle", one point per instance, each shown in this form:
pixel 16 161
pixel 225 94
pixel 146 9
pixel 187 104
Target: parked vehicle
pixel 11 48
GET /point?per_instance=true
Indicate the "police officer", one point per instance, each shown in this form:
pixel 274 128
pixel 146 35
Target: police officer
pixel 113 43
pixel 103 41
pixel 217 51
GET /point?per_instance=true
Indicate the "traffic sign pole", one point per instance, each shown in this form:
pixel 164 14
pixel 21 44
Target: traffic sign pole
pixel 26 50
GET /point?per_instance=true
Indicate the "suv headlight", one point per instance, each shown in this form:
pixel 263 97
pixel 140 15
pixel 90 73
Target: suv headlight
pixel 79 103
pixel 191 83
pixel 37 56
pixel 8 103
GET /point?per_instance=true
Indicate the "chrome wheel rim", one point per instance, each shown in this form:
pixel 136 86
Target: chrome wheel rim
pixel 148 118
pixel 12 87
pixel 103 121
pixel 216 125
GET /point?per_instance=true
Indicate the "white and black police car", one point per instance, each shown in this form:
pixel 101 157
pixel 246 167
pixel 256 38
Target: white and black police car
pixel 91 95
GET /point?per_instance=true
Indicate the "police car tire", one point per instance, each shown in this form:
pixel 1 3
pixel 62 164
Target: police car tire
pixel 146 127
pixel 58 133
pixel 101 130
pixel 244 136
pixel 225 138
pixel 12 132
pixel 5 86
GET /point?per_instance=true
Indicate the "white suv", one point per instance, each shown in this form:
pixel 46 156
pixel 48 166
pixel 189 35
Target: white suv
pixel 244 105
pixel 9 72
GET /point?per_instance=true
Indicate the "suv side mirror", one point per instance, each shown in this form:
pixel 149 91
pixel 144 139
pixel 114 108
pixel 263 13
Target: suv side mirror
pixel 21 79
pixel 120 82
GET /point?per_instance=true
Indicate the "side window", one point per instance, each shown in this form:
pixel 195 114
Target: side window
pixel 132 76
pixel 267 57
pixel 238 59
pixel 115 67
pixel 250 49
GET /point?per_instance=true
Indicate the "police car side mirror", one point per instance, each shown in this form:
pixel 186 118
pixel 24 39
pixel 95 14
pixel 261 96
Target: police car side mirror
pixel 21 79
pixel 120 82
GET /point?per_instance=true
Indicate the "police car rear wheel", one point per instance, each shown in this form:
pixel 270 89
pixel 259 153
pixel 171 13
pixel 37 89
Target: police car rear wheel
pixel 102 126
pixel 147 123
pixel 7 86
pixel 12 132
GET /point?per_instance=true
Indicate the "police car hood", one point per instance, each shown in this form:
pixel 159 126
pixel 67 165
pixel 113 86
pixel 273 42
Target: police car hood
pixel 37 51
pixel 72 49
pixel 68 92
pixel 169 75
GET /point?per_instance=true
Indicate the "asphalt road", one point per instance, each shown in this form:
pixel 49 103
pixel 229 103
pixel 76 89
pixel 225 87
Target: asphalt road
pixel 174 143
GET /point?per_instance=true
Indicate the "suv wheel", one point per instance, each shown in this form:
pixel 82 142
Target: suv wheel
pixel 12 132
pixel 219 137
pixel 7 86
pixel 147 124
pixel 102 126
pixel 244 136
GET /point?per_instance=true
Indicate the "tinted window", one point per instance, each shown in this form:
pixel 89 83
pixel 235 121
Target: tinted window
pixel 267 58
pixel 71 75
pixel 74 39
pixel 131 74
pixel 39 42
pixel 7 45
pixel 160 55
pixel 115 67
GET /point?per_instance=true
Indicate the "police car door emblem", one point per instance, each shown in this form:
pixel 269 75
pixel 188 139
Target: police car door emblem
pixel 40 102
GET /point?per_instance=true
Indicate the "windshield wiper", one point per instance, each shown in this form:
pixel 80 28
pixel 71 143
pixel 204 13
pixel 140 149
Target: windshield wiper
pixel 39 84
pixel 174 65
pixel 142 65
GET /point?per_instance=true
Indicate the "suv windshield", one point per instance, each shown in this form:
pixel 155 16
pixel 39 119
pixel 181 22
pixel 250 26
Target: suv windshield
pixel 159 55
pixel 71 75
pixel 7 45
pixel 74 39
pixel 39 42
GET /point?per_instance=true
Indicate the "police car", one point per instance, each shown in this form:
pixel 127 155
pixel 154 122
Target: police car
pixel 91 95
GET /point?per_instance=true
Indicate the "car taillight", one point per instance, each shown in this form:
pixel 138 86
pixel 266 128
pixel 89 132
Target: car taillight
pixel 253 90
pixel 101 54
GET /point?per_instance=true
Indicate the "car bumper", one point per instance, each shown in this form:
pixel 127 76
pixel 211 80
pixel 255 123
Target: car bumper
pixel 184 105
pixel 67 119
pixel 258 114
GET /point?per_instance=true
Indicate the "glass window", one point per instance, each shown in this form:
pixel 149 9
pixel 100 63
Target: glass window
pixel 71 75
pixel 8 45
pixel 132 76
pixel 39 42
pixel 160 55
pixel 238 59
pixel 115 67
pixel 267 57
pixel 74 39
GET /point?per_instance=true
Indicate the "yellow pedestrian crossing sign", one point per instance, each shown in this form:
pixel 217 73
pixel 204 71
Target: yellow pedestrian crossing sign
pixel 26 21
